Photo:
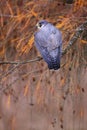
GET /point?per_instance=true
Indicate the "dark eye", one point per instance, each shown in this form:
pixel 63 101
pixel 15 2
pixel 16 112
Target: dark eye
pixel 40 24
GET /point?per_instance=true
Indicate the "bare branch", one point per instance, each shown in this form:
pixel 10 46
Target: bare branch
pixel 78 33
pixel 21 62
pixel 7 15
pixel 9 71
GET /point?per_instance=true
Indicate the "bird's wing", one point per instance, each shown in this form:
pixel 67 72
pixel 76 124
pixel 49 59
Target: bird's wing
pixel 43 51
pixel 50 37
pixel 54 40
pixel 41 37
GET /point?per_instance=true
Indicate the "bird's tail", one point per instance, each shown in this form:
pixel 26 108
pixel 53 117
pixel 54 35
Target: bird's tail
pixel 55 64
pixel 55 57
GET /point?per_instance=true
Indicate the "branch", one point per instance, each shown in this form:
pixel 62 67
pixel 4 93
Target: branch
pixel 21 62
pixel 75 37
pixel 9 71
pixel 7 15
pixel 78 33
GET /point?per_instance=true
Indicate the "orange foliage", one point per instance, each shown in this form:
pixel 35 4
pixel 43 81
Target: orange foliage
pixel 62 82
pixel 78 90
pixel 26 90
pixel 81 113
pixel 52 91
pixel 13 123
pixel 9 101
pixel 10 8
pixel 83 41
pixel 79 4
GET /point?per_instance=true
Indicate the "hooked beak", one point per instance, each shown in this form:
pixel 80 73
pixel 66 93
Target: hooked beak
pixel 37 25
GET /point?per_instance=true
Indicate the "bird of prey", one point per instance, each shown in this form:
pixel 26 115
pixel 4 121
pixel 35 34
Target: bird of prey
pixel 48 41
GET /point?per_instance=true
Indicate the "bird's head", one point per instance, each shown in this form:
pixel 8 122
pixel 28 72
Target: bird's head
pixel 41 24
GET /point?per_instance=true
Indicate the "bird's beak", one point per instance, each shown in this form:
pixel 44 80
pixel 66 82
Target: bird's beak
pixel 37 25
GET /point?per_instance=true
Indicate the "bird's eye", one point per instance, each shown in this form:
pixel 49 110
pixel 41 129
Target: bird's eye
pixel 40 24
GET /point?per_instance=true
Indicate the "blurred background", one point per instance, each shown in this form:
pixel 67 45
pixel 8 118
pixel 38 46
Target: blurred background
pixel 32 97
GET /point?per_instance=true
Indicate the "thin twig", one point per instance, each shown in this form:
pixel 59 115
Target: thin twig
pixel 21 62
pixel 9 71
pixel 78 33
pixel 17 65
pixel 8 15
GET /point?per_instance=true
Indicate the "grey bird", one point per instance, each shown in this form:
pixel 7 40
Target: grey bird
pixel 48 41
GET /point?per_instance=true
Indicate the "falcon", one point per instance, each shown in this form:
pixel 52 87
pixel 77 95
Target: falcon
pixel 48 41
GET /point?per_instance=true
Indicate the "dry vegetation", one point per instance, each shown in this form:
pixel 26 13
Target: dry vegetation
pixel 31 96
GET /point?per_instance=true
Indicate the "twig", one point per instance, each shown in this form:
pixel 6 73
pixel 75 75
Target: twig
pixel 21 62
pixel 8 15
pixel 17 65
pixel 78 33
pixel 9 71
